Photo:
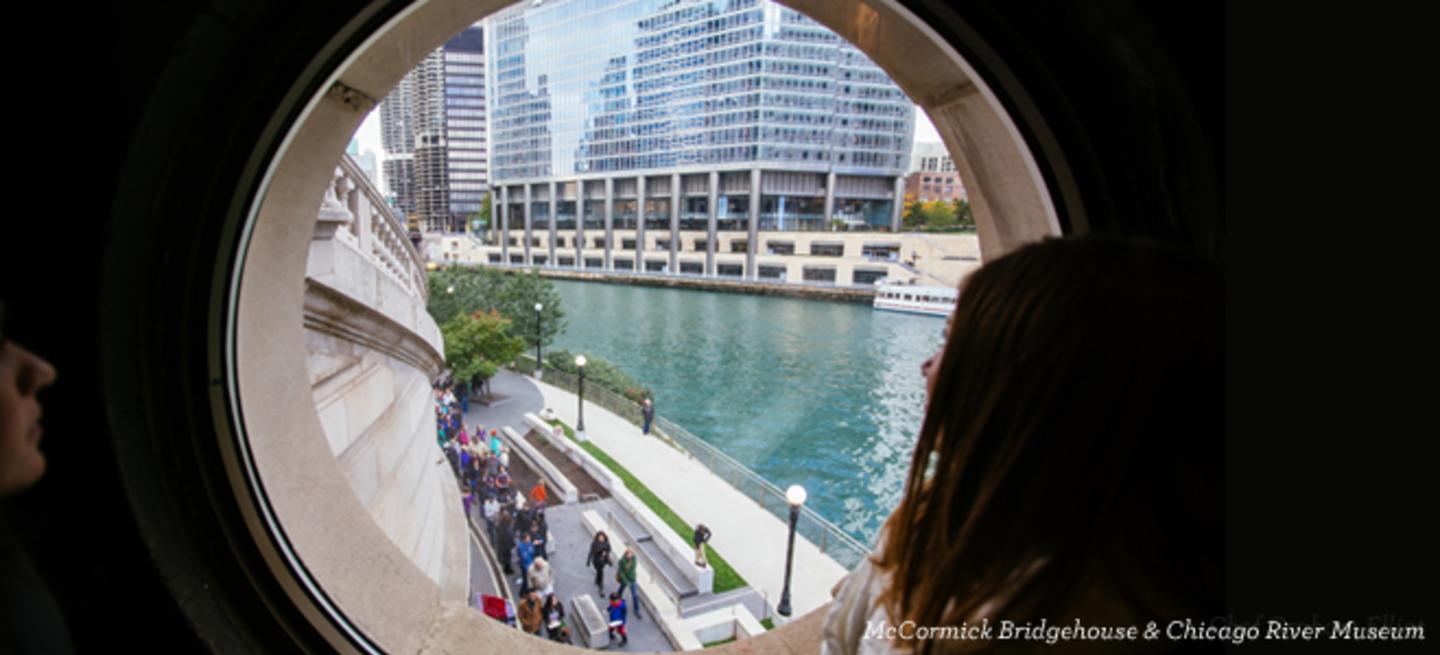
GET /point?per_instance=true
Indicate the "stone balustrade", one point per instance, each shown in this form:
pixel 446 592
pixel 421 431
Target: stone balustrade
pixel 372 350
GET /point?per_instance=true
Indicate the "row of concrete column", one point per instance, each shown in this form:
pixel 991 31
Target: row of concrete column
pixel 712 189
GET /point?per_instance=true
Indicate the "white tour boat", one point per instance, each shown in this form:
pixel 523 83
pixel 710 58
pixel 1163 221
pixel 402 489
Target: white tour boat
pixel 935 301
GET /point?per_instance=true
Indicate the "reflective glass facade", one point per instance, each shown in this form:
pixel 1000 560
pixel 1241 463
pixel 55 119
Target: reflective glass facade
pixel 466 148
pixel 662 123
pixel 605 86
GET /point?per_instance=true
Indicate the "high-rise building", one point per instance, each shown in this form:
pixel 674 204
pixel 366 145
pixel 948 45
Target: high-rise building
pixel 432 127
pixel 397 137
pixel 467 160
pixel 639 125
pixel 432 188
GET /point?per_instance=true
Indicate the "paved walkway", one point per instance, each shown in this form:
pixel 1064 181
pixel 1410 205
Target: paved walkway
pixel 573 578
pixel 750 538
pixel 570 541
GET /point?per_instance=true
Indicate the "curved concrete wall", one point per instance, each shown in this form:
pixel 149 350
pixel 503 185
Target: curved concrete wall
pixel 371 350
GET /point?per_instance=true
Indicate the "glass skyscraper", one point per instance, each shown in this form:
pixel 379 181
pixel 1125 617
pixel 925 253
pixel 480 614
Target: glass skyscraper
pixel 622 130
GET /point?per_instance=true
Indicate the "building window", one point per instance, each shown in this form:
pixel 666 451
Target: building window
pixel 692 267
pixel 540 260
pixel 517 259
pixel 627 244
pixel 623 264
pixel 594 262
pixel 730 270
pixel 567 261
pixel 867 275
pixel 701 245
pixel 494 258
pixel 662 244
pixel 881 252
pixel 826 274
pixel 534 242
pixel 739 245
pixel 559 242
pixel 600 243
pixel 827 249
pixel 515 241
pixel 780 247
pixel 657 265
pixel 772 272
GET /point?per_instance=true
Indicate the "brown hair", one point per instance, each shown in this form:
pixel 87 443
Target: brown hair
pixel 1075 434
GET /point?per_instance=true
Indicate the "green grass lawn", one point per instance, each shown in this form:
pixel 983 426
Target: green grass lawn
pixel 725 577
pixel 768 623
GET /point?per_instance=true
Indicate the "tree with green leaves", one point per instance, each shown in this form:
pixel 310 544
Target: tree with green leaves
pixel 963 216
pixel 600 372
pixel 461 290
pixel 480 221
pixel 478 344
pixel 936 215
pixel 517 299
pixel 457 290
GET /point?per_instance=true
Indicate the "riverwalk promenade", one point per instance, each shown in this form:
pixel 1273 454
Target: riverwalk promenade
pixel 749 537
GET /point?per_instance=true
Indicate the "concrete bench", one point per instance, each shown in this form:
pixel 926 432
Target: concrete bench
pixel 593 627
pixel 559 484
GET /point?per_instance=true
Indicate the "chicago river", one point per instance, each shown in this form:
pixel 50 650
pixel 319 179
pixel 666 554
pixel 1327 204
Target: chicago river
pixel 823 394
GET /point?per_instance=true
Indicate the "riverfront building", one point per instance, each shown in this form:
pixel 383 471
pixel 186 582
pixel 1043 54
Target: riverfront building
pixel 704 137
pixel 933 175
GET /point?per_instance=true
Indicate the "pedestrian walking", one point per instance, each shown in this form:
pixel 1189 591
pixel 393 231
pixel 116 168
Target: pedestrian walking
pixel 530 615
pixel 468 499
pixel 542 578
pixel 648 412
pixel 599 558
pixel 617 619
pixel 625 575
pixel 702 535
pixel 506 540
pixel 526 551
pixel 554 612
pixel 490 510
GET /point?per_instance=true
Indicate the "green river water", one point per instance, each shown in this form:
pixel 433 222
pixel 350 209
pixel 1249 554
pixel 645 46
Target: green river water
pixel 822 394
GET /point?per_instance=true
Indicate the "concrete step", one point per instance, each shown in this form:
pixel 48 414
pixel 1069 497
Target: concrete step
pixel 667 570
pixel 747 596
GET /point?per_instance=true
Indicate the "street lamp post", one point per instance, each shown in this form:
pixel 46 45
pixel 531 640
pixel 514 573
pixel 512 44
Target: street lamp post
pixel 795 495
pixel 580 366
pixel 539 334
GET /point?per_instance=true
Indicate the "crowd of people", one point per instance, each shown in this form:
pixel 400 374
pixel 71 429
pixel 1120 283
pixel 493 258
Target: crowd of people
pixel 514 520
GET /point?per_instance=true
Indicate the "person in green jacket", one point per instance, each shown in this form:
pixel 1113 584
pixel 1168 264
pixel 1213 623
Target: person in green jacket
pixel 625 575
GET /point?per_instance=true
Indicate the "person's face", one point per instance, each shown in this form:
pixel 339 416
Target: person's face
pixel 930 368
pixel 22 376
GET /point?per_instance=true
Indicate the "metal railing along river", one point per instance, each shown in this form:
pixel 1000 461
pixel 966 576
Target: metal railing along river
pixel 831 540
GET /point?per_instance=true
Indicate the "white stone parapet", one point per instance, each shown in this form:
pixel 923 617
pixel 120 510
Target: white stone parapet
pixel 372 350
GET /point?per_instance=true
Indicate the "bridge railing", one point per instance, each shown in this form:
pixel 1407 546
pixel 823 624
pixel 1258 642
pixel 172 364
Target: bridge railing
pixel 373 228
pixel 828 537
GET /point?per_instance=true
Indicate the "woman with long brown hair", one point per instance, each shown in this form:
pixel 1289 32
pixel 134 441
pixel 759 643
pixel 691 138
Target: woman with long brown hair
pixel 1070 464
